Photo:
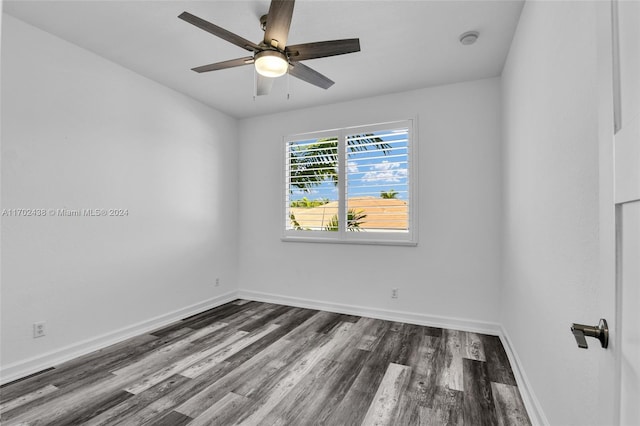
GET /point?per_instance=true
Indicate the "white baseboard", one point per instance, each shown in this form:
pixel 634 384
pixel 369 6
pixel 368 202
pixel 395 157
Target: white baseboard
pixel 462 324
pixel 29 366
pixel 534 409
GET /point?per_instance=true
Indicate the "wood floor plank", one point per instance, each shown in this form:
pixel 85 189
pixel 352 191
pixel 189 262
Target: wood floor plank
pixel 448 407
pixel 260 322
pixel 452 369
pixel 297 405
pixel 212 385
pixel 295 324
pixel 479 408
pixel 77 370
pixel 410 335
pixel 218 354
pixel 309 324
pixel 383 409
pixel 57 405
pixel 376 330
pixel 356 402
pixel 334 390
pixel 424 377
pixel 94 364
pixel 26 398
pixel 204 319
pixel 170 395
pixel 510 409
pixel 256 363
pixel 123 412
pixel 50 409
pixel 243 364
pixel 26 384
pixel 53 398
pixel 222 413
pixel 158 357
pixel 315 397
pixel 334 321
pixel 173 419
pixel 72 400
pixel 91 409
pixel 411 413
pixel 296 373
pixel 236 320
pixel 473 347
pixel 269 371
pixel 432 331
pixel 497 361
pixel 219 313
pixel 186 362
pixel 255 367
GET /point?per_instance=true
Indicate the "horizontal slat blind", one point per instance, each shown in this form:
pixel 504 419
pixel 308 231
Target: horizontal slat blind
pixel 377 181
pixel 351 185
pixel 312 179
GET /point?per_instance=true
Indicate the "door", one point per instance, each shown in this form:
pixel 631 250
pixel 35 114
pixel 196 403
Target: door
pixel 626 68
pixel 619 120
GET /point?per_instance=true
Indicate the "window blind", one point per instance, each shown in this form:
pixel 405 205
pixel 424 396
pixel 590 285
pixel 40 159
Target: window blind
pixel 351 185
pixel 312 193
pixel 377 181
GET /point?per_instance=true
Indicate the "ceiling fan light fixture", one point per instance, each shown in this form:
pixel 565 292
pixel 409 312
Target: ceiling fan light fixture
pixel 271 63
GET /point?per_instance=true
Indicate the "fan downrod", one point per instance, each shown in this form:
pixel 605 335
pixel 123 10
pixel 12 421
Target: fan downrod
pixel 263 22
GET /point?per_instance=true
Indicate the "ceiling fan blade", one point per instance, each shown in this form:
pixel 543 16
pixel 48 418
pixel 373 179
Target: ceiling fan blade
pixel 263 84
pixel 225 64
pixel 322 49
pixel 278 23
pixel 219 32
pixel 309 75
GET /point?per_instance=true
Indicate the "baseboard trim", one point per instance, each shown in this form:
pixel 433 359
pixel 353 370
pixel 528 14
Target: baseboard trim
pixel 534 409
pixel 462 324
pixel 38 363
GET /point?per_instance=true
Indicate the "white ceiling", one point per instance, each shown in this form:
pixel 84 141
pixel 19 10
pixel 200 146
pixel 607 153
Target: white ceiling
pixel 404 44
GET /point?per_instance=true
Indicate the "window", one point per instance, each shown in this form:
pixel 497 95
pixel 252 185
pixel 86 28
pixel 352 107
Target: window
pixel 353 185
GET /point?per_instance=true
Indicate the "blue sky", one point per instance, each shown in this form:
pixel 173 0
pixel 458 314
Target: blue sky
pixel 370 172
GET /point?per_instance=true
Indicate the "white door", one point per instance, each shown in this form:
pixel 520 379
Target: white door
pixel 619 89
pixel 627 199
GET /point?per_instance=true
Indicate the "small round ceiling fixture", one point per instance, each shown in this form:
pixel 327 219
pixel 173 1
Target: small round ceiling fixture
pixel 469 37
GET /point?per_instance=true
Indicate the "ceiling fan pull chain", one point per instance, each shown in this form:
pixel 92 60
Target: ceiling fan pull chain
pixel 255 85
pixel 288 87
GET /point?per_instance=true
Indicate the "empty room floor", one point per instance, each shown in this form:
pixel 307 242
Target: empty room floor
pixel 258 363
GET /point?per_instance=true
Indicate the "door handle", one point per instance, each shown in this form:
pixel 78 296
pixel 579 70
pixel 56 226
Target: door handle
pixel 600 332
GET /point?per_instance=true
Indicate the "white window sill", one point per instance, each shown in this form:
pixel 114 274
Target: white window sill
pixel 292 239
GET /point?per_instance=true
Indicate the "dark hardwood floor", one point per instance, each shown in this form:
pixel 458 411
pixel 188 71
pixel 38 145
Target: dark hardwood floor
pixel 256 363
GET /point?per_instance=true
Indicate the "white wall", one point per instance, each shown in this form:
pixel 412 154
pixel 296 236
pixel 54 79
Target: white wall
pixel 454 271
pixel 81 132
pixel 551 204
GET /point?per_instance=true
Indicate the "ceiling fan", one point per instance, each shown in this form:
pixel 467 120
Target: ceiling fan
pixel 272 57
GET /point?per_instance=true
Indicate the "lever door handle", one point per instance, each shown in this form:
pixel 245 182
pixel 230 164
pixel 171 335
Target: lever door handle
pixel 600 332
pixel 579 335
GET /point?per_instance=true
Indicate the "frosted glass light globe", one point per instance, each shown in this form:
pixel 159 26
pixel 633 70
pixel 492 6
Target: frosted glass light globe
pixel 271 63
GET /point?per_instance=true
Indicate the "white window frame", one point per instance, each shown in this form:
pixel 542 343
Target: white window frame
pixel 343 236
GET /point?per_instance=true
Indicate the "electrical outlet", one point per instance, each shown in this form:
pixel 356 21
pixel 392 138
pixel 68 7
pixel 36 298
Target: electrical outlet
pixel 39 329
pixel 394 293
pixel 217 282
